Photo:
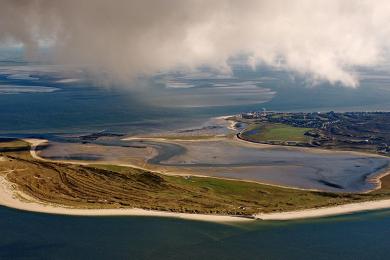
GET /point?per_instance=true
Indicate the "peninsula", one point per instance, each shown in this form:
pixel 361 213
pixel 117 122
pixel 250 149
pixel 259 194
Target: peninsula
pixel 31 182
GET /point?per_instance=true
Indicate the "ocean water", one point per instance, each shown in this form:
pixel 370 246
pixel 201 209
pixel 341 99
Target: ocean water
pixel 52 99
pixel 27 235
pixel 48 99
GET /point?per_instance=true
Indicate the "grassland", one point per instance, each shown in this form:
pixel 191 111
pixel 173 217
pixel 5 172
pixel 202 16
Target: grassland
pixel 110 186
pixel 275 132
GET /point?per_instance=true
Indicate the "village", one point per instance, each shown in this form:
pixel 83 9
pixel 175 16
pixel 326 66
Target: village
pixel 348 130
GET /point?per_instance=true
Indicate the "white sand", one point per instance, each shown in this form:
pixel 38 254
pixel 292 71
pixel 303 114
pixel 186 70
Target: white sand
pixel 34 144
pixel 327 211
pixel 10 196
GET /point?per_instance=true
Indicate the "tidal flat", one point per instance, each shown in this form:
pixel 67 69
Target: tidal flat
pixel 32 183
pixel 313 169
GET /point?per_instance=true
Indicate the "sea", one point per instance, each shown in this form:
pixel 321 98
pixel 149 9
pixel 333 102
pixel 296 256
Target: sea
pixel 42 99
pixel 26 235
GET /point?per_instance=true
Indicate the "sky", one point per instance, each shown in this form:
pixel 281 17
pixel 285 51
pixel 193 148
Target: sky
pixel 321 40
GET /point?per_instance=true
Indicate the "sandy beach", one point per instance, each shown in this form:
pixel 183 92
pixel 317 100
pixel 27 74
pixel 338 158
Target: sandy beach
pixel 327 211
pixel 11 197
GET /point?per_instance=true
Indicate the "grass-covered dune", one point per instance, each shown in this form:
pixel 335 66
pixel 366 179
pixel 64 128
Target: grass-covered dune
pixel 109 186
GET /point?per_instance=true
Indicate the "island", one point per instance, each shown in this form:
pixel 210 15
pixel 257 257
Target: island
pixel 189 183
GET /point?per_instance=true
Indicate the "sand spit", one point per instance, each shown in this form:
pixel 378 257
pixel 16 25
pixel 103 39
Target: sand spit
pixel 11 197
pixel 327 211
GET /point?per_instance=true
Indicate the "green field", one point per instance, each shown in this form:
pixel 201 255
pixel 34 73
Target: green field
pixel 275 132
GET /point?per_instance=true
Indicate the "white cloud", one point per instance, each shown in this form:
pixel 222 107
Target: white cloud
pixel 321 39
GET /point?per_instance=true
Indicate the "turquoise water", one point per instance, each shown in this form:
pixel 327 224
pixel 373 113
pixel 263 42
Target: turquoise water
pixel 39 236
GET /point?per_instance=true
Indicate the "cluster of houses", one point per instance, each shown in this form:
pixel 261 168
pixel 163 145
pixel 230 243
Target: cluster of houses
pixel 326 125
pixel 309 120
pixel 255 114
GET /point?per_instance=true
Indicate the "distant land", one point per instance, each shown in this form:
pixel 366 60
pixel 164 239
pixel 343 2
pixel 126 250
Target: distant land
pixel 359 131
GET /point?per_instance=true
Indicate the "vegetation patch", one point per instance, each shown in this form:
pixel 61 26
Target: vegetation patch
pixel 275 132
pixel 359 131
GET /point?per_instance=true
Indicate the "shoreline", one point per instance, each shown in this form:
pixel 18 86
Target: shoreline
pixel 288 215
pixel 11 197
pixel 327 211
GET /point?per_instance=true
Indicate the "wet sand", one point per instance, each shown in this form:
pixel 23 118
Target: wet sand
pixel 299 168
pixel 302 168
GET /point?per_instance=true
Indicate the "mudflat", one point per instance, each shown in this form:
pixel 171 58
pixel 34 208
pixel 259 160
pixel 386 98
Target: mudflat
pixel 76 189
pixel 302 168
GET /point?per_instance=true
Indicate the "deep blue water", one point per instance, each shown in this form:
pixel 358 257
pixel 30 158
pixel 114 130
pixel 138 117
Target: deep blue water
pixel 39 236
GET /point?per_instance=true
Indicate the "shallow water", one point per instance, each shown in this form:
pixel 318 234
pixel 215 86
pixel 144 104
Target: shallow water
pixel 300 168
pixel 308 169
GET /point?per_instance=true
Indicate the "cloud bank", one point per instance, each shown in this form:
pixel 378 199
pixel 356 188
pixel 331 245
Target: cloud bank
pixel 320 39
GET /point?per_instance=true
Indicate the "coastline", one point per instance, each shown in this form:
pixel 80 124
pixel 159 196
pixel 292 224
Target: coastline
pixel 327 211
pixel 13 198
